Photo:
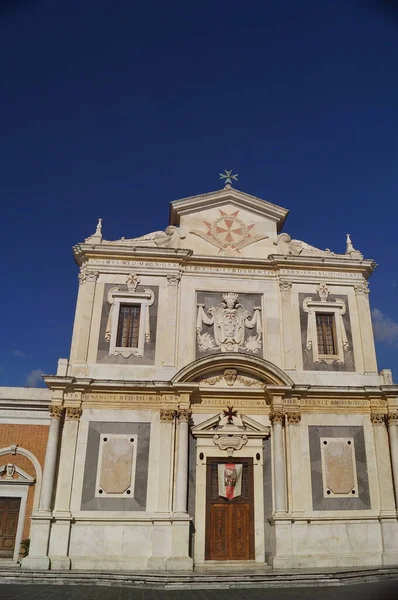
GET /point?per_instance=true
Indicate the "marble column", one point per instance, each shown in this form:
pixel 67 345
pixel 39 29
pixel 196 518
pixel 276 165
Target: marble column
pixel 60 530
pixel 180 504
pixel 383 462
pixel 166 434
pixel 366 329
pixel 277 419
pixel 50 461
pixel 67 461
pixel 285 287
pixel 392 420
pixel 84 309
pixel 41 519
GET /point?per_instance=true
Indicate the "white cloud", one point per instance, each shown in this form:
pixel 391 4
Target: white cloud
pixel 18 353
pixel 385 329
pixel 34 378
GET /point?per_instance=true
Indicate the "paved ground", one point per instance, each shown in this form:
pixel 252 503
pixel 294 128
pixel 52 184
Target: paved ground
pixel 384 590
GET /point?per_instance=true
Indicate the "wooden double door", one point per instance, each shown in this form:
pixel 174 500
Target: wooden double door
pixel 229 523
pixel 9 514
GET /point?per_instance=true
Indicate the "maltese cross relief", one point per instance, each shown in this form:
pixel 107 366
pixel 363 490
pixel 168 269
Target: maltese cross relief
pixel 228 233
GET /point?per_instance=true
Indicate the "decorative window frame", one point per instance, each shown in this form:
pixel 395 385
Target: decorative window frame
pixel 129 492
pixel 16 488
pixel 338 309
pixel 144 299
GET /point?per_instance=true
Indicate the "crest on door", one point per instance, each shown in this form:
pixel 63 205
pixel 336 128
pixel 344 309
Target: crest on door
pixel 229 480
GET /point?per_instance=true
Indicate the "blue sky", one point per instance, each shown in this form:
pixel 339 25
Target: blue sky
pixel 114 109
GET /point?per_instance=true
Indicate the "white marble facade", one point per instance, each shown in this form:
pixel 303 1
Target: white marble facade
pixel 227 307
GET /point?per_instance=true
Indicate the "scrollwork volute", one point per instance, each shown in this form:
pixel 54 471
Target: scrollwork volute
pixel 277 418
pixel 362 289
pixel 293 418
pixel 184 415
pixel 73 413
pixel 166 415
pixel 378 418
pixel 56 412
pixel 392 419
pixel 86 276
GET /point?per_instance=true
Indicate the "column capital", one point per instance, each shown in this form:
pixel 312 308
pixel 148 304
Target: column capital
pixel 56 411
pixel 86 276
pixel 167 416
pixel 392 419
pixel 277 417
pixel 293 418
pixel 285 285
pixel 362 289
pixel 378 418
pixel 184 414
pixel 73 413
pixel 173 278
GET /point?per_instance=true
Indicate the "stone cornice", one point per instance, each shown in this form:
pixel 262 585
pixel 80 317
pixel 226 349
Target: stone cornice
pixel 181 258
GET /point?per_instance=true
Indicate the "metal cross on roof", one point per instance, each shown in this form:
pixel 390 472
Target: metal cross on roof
pixel 230 413
pixel 228 176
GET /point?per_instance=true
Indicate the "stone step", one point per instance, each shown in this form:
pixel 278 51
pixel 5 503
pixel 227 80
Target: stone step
pixel 202 580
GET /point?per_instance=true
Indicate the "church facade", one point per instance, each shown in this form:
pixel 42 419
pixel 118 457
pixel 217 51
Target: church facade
pixel 221 404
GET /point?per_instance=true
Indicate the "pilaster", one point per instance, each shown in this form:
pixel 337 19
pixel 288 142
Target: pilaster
pixel 392 420
pixel 84 309
pixel 173 282
pixel 277 419
pixel 289 362
pixel 366 329
pixel 383 462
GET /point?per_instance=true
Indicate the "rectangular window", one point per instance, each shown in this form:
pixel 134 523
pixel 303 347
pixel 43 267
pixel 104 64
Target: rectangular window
pixel 326 333
pixel 128 326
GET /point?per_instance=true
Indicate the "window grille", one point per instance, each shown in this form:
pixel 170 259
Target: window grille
pixel 326 333
pixel 128 326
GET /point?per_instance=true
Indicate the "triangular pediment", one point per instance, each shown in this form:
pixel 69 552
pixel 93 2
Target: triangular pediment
pixel 228 222
pixel 242 424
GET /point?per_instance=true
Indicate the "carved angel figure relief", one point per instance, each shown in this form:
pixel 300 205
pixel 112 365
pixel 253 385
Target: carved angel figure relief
pixel 229 321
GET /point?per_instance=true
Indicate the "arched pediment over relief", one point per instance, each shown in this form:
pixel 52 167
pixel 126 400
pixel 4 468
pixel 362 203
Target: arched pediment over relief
pixel 230 369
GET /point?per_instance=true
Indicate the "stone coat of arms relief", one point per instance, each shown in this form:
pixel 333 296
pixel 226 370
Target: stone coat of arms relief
pixel 229 321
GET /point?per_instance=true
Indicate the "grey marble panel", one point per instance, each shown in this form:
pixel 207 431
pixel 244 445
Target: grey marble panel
pixel 308 361
pixel 149 349
pixel 315 432
pixel 89 501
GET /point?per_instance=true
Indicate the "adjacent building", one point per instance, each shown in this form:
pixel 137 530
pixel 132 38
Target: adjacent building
pixel 221 405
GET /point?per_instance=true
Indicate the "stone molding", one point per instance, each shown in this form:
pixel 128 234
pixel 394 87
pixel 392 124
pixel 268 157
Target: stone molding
pixel 56 412
pixel 73 413
pixel 167 416
pixel 184 415
pixel 378 418
pixel 277 417
pixel 173 278
pixel 293 418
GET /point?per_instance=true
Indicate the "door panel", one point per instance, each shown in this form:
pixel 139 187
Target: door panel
pixel 9 513
pixel 229 523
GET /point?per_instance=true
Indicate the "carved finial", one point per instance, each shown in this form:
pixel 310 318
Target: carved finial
pixel 350 247
pixel 228 177
pixel 98 230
